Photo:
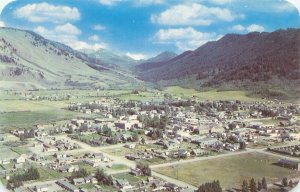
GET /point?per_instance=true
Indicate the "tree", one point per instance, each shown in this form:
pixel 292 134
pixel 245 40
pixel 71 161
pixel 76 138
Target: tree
pixel 17 180
pixel 80 173
pixel 284 182
pixel 210 187
pixel 253 186
pixel 245 187
pixel 264 183
pixel 22 137
pixel 146 170
pixel 143 141
pixel 135 137
pixel 259 186
pixel 291 183
pixel 103 178
pixel 243 145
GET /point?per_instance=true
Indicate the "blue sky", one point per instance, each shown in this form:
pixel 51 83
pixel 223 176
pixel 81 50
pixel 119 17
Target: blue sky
pixel 143 28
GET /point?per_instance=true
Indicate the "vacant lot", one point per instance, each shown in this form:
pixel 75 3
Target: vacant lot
pixel 27 119
pixel 142 96
pixel 209 95
pixel 230 171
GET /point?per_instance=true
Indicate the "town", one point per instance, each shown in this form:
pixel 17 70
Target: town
pixel 136 145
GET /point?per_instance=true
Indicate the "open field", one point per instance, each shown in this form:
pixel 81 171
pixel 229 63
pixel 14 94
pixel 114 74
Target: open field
pixel 129 177
pixel 122 151
pixel 24 119
pixel 209 95
pixel 142 96
pixel 49 174
pixel 230 171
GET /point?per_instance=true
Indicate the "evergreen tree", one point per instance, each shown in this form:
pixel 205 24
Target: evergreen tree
pixel 253 186
pixel 291 183
pixel 259 186
pixel 146 170
pixel 243 145
pixel 210 187
pixel 80 173
pixel 103 178
pixel 245 187
pixel 284 182
pixel 143 141
pixel 264 183
pixel 135 137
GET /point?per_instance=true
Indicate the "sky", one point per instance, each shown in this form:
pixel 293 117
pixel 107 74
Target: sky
pixel 144 28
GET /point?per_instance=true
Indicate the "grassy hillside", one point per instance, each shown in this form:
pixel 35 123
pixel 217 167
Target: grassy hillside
pixel 29 61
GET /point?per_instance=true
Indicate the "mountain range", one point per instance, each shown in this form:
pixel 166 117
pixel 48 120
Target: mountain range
pixel 29 61
pixel 111 58
pixel 235 59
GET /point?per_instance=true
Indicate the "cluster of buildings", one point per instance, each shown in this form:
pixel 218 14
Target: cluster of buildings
pixel 178 129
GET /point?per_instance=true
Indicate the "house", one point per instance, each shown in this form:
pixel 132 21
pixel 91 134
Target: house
pixel 136 172
pixel 79 181
pixel 171 144
pixel 101 156
pixel 49 148
pixel 197 152
pixel 182 153
pixel 4 161
pixel 122 184
pixel 18 166
pixel 157 185
pixel 20 159
pixel 126 137
pixel 35 157
pixel 64 160
pixel 289 164
pixel 67 186
pixel 130 146
pixel 40 188
pixel 68 168
pixel 233 147
pixel 205 141
pixel 123 125
pixel 171 187
pixel 60 155
pixel 91 162
pixel 91 179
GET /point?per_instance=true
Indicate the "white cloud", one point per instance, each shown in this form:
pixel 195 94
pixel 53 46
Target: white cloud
pixel 68 37
pixel 44 12
pixel 99 27
pixel 136 56
pixel 2 24
pixel 110 2
pixel 250 28
pixel 79 45
pixel 193 14
pixel 67 28
pixel 221 2
pixel 184 38
pixel 296 3
pixel 3 4
pixel 148 2
pixel 255 27
pixel 94 38
pixel 239 28
pixel 285 6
